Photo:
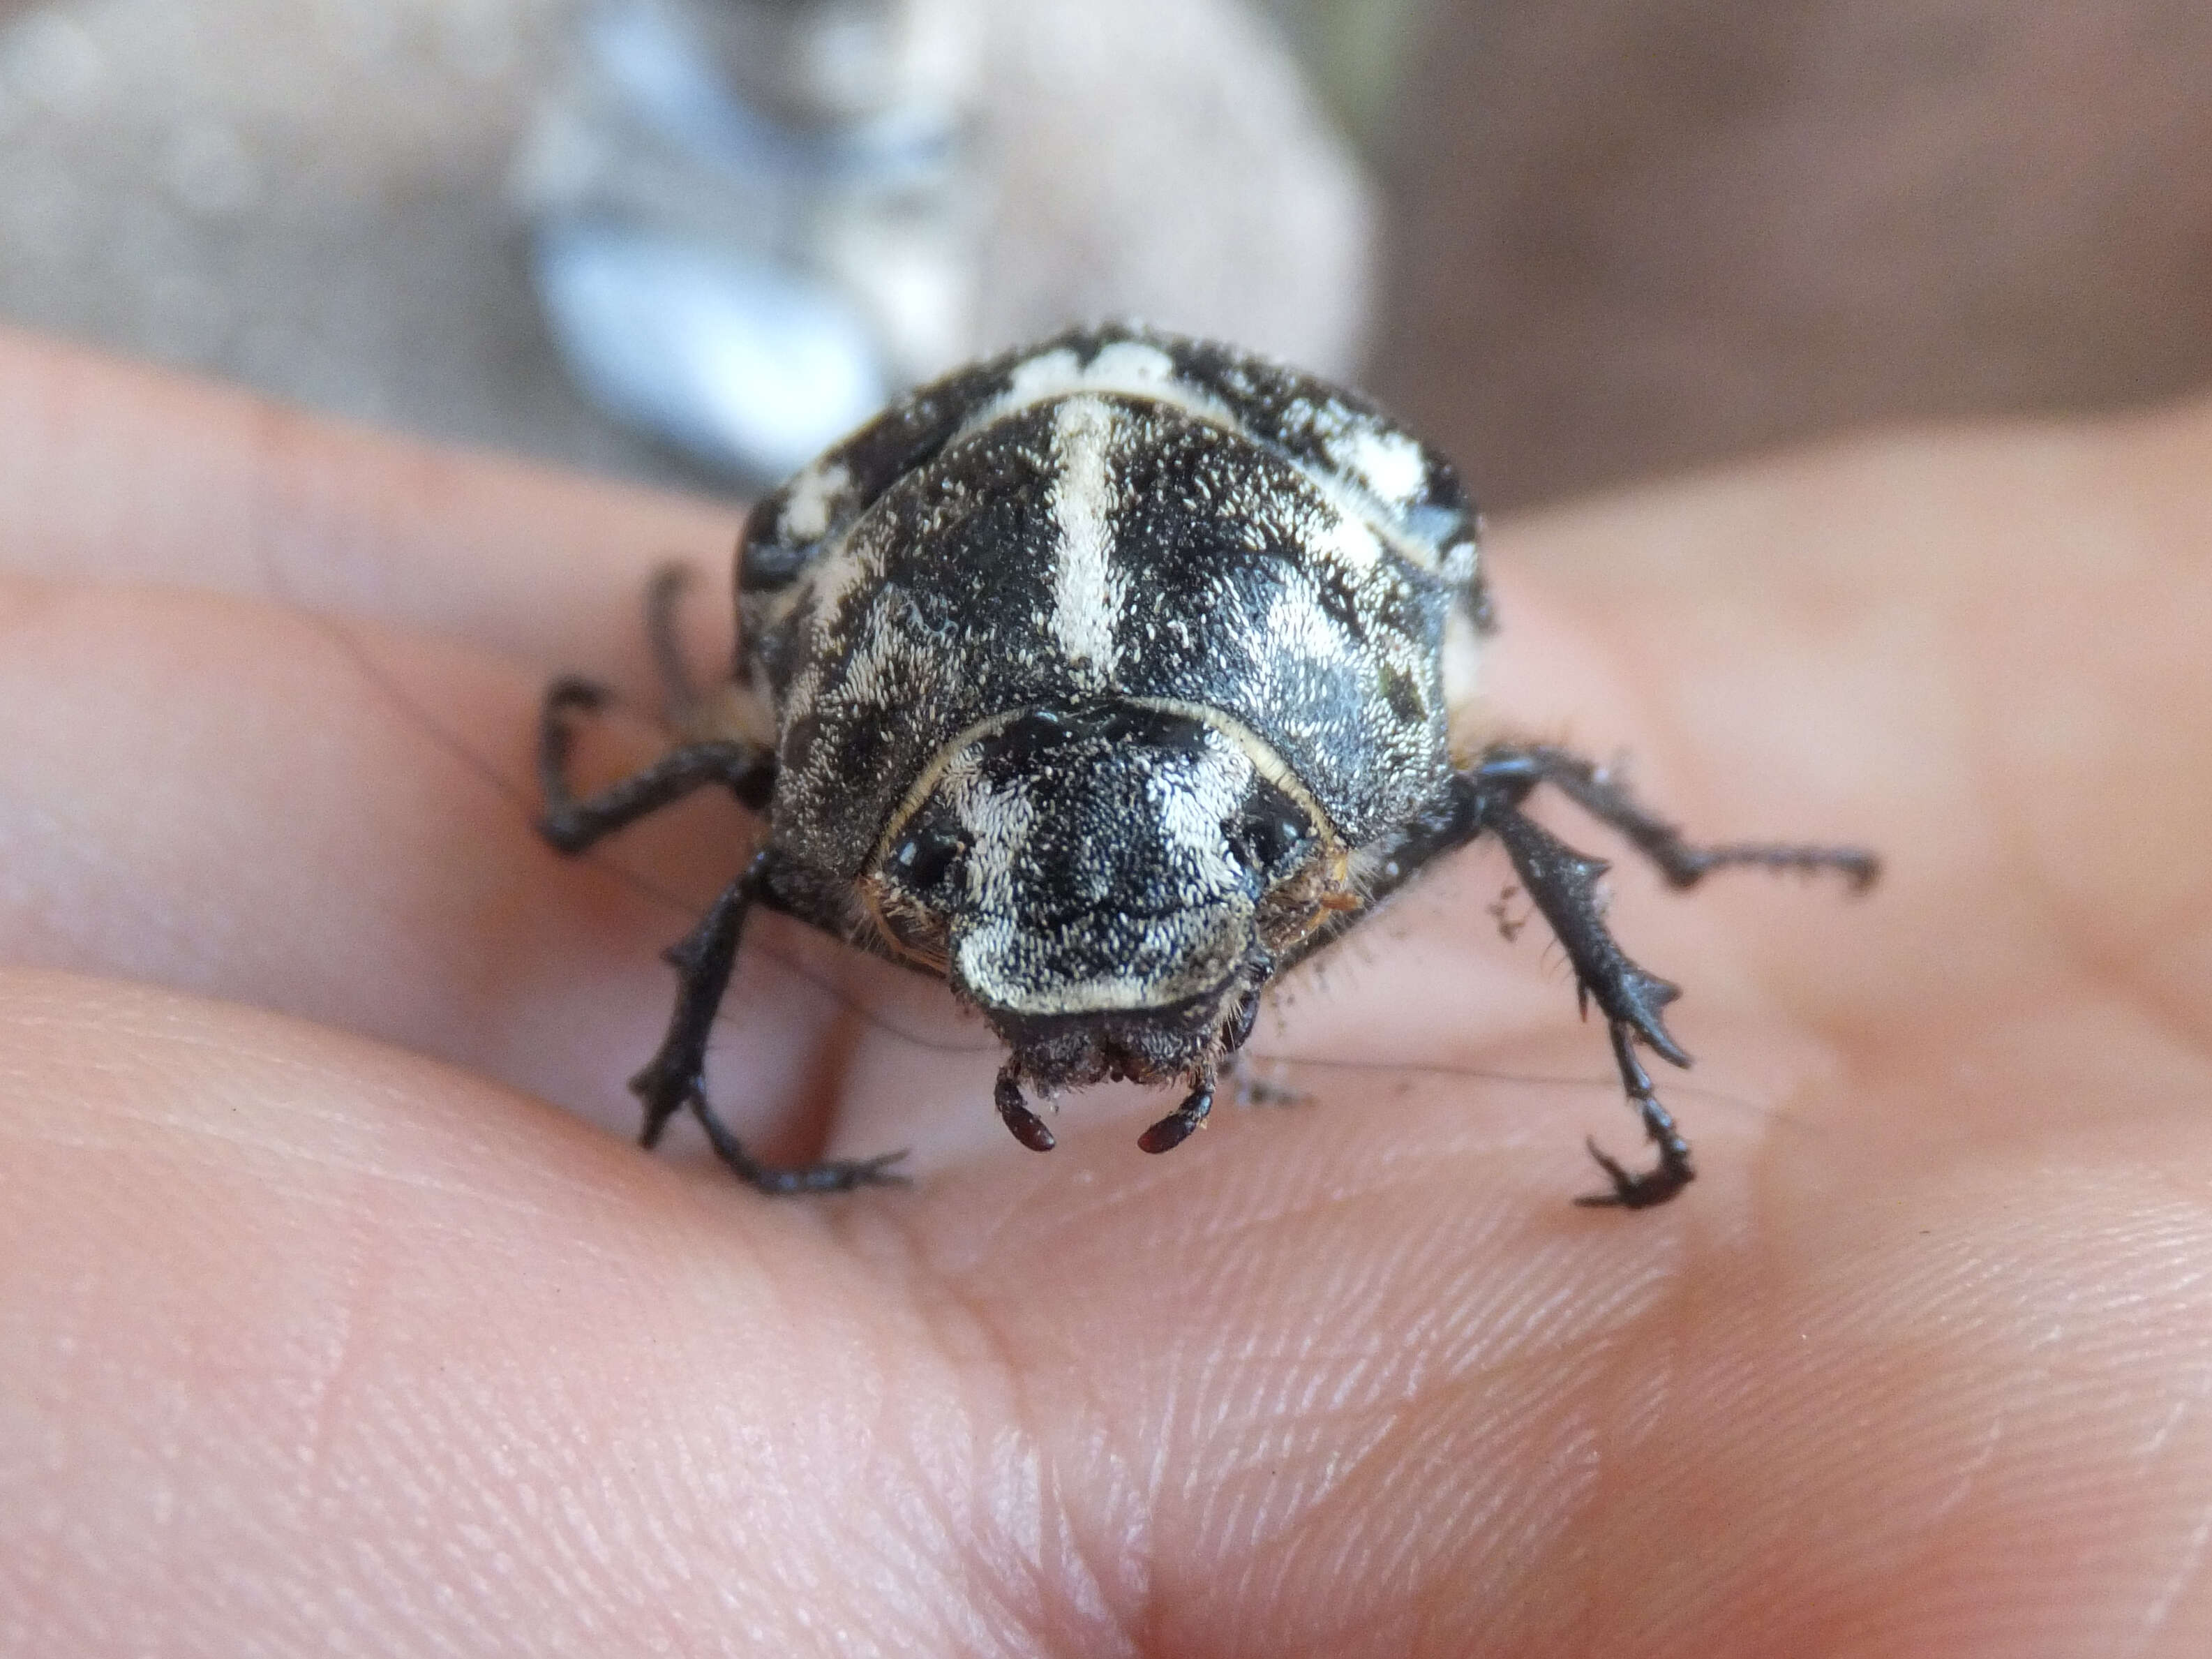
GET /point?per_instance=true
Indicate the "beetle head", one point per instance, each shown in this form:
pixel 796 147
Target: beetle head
pixel 1097 883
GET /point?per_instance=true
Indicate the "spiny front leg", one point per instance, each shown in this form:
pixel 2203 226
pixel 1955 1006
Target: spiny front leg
pixel 1633 1191
pixel 676 1076
pixel 1562 884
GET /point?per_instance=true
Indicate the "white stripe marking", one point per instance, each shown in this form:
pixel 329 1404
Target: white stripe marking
pixel 1089 594
pixel 1368 461
pixel 1389 464
pixel 815 496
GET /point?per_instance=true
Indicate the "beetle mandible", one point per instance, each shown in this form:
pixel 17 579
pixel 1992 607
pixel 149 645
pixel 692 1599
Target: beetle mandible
pixel 1107 680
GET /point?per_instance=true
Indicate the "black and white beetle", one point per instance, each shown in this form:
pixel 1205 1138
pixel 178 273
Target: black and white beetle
pixel 1107 680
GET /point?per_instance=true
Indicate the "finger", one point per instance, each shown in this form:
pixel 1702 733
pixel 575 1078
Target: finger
pixel 241 801
pixel 228 798
pixel 1855 1404
pixel 1298 1405
pixel 307 1344
pixel 118 471
pixel 1984 655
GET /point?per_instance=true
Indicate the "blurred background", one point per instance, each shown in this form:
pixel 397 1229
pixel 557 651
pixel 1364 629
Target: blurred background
pixel 688 241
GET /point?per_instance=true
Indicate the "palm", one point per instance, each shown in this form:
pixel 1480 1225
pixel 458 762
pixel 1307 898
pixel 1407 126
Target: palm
pixel 316 1335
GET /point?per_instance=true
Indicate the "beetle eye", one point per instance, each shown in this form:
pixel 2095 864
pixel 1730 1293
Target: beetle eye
pixel 1260 840
pixel 928 860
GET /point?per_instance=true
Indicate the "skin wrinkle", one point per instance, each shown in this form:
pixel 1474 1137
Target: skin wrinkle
pixel 329 1388
pixel 1620 1351
pixel 974 1344
pixel 1538 1362
pixel 2071 934
pixel 1402 1552
pixel 1355 1451
pixel 1104 1608
pixel 295 1072
pixel 709 1248
pixel 1081 1416
pixel 898 1546
pixel 1026 1587
pixel 2075 935
pixel 1983 1454
pixel 276 456
pixel 427 725
pixel 2190 1570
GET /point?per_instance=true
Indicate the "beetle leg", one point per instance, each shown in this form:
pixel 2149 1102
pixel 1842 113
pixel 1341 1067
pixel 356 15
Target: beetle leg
pixel 676 1076
pixel 571 825
pixel 1684 863
pixel 1562 884
pixel 680 693
pixel 1172 1131
pixel 1634 1191
pixel 1238 1031
pixel 1028 1127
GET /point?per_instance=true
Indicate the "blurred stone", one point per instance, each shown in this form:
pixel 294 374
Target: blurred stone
pixel 747 281
pixel 739 364
pixel 311 198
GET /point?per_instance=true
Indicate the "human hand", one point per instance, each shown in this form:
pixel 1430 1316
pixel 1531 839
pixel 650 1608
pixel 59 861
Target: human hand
pixel 320 1332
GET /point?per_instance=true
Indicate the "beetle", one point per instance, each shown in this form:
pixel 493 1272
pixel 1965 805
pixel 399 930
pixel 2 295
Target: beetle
pixel 1107 680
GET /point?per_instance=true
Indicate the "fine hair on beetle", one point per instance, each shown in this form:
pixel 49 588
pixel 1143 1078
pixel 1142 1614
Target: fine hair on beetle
pixel 1107 681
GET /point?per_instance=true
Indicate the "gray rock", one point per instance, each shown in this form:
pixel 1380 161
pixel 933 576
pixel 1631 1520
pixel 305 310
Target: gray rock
pixel 312 199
